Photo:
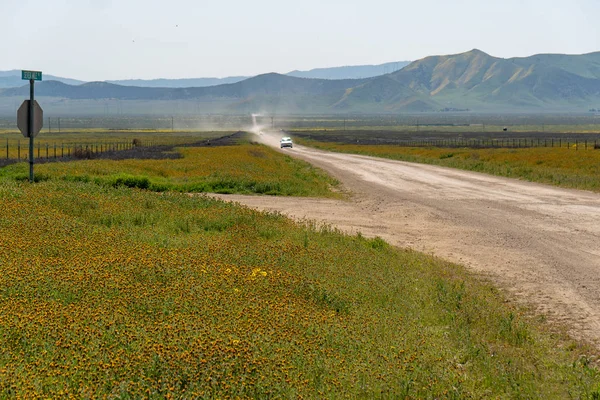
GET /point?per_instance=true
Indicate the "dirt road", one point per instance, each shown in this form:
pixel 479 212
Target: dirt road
pixel 539 242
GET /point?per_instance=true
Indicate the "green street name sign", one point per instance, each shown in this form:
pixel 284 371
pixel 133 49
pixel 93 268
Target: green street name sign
pixel 31 75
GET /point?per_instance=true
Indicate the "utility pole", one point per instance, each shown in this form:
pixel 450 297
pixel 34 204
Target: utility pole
pixel 272 123
pixel 172 124
pixel 58 124
pixel 49 125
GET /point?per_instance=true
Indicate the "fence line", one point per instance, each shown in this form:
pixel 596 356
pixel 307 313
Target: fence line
pixel 510 143
pixel 20 150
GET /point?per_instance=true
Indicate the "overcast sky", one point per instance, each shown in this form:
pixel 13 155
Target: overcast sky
pixel 122 39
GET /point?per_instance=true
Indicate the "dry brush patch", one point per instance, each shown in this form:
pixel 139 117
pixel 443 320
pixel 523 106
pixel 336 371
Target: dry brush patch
pixel 125 292
pixel 49 147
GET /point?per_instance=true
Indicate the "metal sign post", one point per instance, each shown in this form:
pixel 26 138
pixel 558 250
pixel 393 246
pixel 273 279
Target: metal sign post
pixel 30 129
pixel 32 125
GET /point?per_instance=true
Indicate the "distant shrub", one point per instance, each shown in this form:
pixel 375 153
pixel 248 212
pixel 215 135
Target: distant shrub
pixel 22 177
pixel 82 154
pixel 159 187
pixel 77 178
pixel 378 243
pixel 140 182
pixel 267 188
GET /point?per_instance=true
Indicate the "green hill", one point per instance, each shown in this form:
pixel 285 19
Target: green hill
pixel 479 81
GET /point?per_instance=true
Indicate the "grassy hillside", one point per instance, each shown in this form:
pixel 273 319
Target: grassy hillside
pixel 479 81
pixel 585 65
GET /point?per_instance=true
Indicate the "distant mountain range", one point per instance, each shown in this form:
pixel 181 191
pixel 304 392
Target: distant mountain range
pixel 10 79
pixel 473 81
pixel 179 83
pixel 350 72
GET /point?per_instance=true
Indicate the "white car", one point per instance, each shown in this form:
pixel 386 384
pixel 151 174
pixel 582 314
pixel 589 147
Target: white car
pixel 286 142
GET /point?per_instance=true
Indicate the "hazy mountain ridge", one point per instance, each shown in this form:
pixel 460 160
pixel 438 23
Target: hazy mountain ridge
pixel 10 81
pixel 267 84
pixel 469 81
pixel 178 83
pixel 350 72
pixel 12 78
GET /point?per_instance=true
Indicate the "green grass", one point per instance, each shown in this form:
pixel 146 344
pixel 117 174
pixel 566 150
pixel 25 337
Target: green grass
pixel 127 293
pixel 245 168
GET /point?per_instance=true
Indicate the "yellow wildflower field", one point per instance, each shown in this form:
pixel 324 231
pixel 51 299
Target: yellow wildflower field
pixel 244 168
pixel 119 292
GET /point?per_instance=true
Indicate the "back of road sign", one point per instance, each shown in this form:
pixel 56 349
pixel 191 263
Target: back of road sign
pixel 23 118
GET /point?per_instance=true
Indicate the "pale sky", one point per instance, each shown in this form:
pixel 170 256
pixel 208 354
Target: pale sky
pixel 112 39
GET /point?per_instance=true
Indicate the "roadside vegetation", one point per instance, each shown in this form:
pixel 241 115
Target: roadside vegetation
pixel 119 292
pixel 245 168
pixel 114 283
pixel 564 167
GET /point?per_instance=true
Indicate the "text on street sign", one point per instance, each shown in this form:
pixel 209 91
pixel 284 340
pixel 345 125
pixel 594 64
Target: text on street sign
pixel 31 75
